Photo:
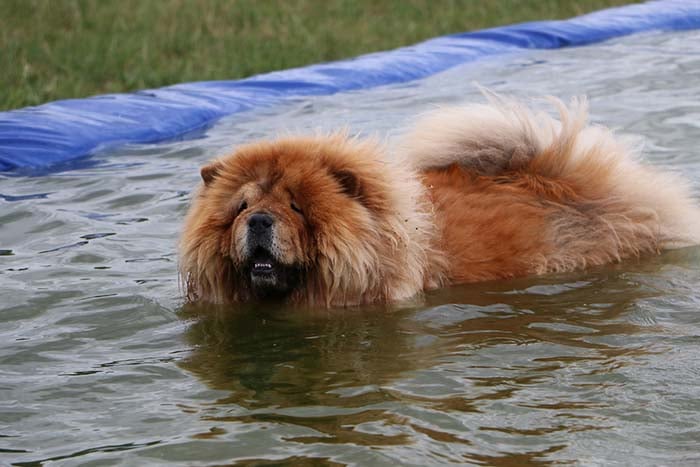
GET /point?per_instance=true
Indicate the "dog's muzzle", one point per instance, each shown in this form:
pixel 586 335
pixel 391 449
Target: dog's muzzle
pixel 269 278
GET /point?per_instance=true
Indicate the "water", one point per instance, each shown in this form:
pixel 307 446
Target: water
pixel 101 365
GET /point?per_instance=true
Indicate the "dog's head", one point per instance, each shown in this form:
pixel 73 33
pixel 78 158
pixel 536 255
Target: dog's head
pixel 305 219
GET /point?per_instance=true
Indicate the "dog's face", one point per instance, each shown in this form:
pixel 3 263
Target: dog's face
pixel 261 210
pixel 269 243
pixel 297 218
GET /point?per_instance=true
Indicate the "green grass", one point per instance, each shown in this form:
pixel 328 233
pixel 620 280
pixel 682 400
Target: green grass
pixel 53 49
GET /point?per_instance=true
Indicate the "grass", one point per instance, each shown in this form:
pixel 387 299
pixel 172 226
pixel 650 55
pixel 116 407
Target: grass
pixel 54 49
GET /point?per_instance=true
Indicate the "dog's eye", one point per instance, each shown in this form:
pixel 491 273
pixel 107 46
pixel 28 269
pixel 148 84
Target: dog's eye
pixel 243 206
pixel 296 208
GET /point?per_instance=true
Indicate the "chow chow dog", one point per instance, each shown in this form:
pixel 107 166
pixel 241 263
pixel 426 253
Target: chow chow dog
pixel 474 193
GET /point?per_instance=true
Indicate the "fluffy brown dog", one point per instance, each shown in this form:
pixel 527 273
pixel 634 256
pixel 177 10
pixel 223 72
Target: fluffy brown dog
pixel 474 193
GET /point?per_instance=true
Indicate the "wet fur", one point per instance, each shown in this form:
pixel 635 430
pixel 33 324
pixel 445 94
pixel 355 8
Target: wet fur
pixel 364 236
pixel 473 193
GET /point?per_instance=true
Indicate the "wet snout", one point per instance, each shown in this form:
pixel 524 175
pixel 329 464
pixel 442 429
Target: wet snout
pixel 260 230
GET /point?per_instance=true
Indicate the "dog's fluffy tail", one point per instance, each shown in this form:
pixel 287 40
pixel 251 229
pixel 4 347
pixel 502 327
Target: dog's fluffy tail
pixel 504 136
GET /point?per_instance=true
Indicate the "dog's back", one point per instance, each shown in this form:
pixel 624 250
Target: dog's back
pixel 517 193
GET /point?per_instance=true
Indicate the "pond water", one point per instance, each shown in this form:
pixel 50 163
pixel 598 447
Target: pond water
pixel 100 363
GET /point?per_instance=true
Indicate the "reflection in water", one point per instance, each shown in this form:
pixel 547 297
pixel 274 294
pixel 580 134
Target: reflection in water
pixel 293 357
pixel 537 355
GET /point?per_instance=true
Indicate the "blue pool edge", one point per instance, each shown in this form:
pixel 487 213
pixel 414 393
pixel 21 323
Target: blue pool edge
pixel 58 135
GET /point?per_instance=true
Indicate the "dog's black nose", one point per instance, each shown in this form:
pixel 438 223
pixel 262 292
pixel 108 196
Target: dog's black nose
pixel 260 222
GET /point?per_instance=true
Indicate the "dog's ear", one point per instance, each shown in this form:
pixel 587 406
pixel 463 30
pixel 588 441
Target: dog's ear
pixel 209 172
pixel 349 183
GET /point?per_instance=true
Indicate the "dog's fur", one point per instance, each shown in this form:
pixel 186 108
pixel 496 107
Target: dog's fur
pixel 473 193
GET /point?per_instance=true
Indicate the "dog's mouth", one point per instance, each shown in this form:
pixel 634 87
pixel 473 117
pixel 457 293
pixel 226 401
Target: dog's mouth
pixel 262 264
pixel 269 278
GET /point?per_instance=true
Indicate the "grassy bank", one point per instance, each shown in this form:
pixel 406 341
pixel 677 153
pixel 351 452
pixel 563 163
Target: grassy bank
pixel 52 49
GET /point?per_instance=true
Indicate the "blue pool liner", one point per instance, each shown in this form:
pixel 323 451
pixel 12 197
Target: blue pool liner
pixel 50 136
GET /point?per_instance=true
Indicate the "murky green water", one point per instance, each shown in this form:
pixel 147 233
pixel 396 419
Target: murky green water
pixel 101 365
